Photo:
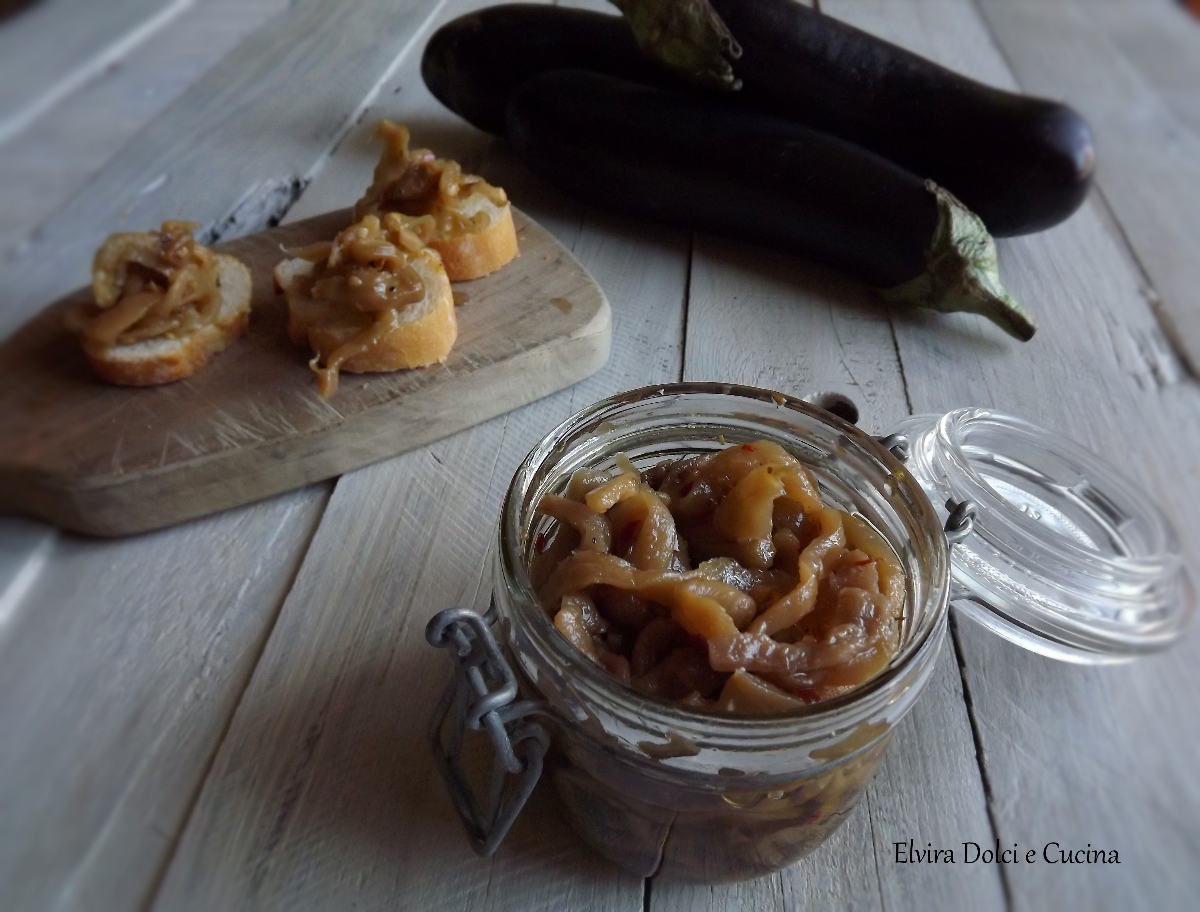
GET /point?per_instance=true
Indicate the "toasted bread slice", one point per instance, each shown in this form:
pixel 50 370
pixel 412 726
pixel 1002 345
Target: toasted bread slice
pixel 461 216
pixel 162 360
pixel 344 338
pixel 470 255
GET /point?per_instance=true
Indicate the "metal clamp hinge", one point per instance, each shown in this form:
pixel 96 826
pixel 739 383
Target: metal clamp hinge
pixel 896 444
pixel 480 697
pixel 961 521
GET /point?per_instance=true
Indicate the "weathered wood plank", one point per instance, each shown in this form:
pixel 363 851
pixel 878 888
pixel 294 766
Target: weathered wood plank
pixel 53 48
pixel 767 320
pixel 764 319
pixel 1101 756
pixel 188 180
pixel 24 547
pixel 324 794
pixel 269 115
pixel 1162 41
pixel 332 826
pixel 39 169
pixel 1149 158
pixel 44 165
pixel 97 779
pixel 118 670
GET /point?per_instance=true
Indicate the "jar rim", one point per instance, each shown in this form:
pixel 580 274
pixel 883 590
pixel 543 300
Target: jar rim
pixel 846 709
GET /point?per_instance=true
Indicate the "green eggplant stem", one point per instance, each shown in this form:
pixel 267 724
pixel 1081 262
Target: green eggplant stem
pixel 962 273
pixel 687 36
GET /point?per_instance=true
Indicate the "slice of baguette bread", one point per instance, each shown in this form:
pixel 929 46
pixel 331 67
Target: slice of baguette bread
pixel 422 189
pixel 423 334
pixel 154 361
pixel 470 255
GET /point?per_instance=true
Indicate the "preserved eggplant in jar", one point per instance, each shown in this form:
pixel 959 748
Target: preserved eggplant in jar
pixel 721 580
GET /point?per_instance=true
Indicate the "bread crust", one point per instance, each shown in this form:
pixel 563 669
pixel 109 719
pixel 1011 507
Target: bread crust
pixel 474 254
pixel 160 361
pixel 425 339
pixel 425 196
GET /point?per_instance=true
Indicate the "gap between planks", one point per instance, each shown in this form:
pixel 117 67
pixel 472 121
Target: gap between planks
pixel 1057 736
pixel 421 486
pixel 234 116
pixel 45 72
pixel 44 167
pixel 1149 151
pixel 145 794
pixel 326 491
pixel 819 375
pixel 1168 329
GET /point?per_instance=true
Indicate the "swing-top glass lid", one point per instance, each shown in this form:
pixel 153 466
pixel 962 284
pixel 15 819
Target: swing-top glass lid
pixel 1067 557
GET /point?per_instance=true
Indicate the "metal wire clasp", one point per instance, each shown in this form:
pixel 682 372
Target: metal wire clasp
pixel 961 521
pixel 480 697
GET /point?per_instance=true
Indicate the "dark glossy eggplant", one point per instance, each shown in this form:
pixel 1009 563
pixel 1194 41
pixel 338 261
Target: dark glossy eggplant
pixel 473 64
pixel 1021 163
pixel 692 162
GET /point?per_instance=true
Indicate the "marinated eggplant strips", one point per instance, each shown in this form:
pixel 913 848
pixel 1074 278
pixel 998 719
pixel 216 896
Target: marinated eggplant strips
pixel 1022 164
pixel 695 162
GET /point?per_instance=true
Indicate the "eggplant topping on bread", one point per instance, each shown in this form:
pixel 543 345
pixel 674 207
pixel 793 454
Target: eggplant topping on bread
pixel 461 216
pixel 374 299
pixel 162 306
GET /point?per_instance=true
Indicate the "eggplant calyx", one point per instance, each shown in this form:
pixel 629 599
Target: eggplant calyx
pixel 687 36
pixel 962 272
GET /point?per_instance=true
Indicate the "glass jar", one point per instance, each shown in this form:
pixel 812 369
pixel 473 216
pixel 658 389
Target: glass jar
pixel 1058 553
pixel 662 788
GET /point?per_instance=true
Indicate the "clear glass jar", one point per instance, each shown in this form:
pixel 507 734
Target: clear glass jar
pixel 1052 549
pixel 661 788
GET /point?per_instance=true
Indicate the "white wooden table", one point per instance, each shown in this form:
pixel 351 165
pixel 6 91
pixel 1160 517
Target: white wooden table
pixel 230 714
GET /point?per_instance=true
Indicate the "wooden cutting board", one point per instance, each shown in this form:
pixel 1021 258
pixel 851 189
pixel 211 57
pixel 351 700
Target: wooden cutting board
pixel 111 461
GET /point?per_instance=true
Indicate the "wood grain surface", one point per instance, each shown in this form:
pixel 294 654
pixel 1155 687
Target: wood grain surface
pixel 229 154
pixel 87 37
pixel 336 800
pixel 269 115
pixel 1071 755
pixel 814 333
pixel 149 640
pixel 151 659
pixel 177 739
pixel 1148 163
pixel 112 461
pixel 43 166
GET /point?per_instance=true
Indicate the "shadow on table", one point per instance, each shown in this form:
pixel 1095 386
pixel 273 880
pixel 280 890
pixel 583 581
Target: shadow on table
pixel 341 772
pixel 10 8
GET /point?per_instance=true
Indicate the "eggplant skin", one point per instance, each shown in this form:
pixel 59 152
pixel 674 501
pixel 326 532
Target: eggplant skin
pixel 474 63
pixel 693 162
pixel 1022 164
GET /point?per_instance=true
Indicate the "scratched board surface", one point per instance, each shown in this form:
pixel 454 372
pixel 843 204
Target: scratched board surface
pixel 111 460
